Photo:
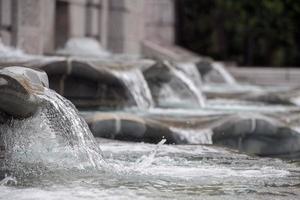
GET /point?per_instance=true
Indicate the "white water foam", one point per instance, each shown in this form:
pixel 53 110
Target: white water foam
pixel 174 163
pixel 83 47
pixel 196 91
pixel 137 85
pixel 220 68
pixel 55 137
pixel 194 136
pixel 191 71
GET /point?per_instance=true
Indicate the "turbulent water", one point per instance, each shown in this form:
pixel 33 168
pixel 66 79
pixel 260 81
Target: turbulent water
pixel 228 78
pixel 183 89
pixel 54 156
pixel 137 85
pixel 191 86
pixel 55 137
pixel 192 72
pixel 194 136
pixel 144 171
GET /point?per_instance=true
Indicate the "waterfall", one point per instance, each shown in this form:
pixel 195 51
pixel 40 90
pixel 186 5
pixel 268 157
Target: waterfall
pixel 137 86
pixel 55 137
pixel 190 84
pixel 191 71
pixel 228 78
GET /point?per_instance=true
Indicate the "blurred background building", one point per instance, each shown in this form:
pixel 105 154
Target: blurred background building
pixel 256 32
pixel 122 26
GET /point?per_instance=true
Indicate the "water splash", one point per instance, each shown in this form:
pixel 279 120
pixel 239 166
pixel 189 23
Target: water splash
pixel 56 138
pixel 64 119
pixel 194 136
pixel 137 168
pixel 147 160
pixel 224 73
pixel 137 85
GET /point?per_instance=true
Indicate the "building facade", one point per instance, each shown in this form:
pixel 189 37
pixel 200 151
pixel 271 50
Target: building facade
pixel 121 26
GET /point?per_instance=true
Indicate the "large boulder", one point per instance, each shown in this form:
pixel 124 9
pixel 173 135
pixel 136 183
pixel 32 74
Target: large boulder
pixel 258 135
pixel 100 82
pixel 18 89
pixel 129 127
pixel 271 135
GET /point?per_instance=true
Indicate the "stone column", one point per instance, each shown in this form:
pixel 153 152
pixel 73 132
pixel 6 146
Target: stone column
pixel 48 24
pixel 126 25
pixel 27 27
pixel 104 23
pixel 160 21
pixel 77 17
pixel 6 21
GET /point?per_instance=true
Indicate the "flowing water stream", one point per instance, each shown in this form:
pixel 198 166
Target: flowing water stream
pixel 228 78
pixel 54 156
pixel 145 171
pixel 183 87
pixel 137 85
pixel 55 137
pixel 191 86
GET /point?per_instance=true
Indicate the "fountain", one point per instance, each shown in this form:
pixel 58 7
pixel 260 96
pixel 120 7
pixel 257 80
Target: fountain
pixel 47 149
pixel 100 82
pixel 228 78
pixel 172 87
pixel 41 126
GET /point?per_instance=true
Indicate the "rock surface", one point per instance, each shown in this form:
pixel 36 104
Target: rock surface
pixel 18 89
pixel 129 127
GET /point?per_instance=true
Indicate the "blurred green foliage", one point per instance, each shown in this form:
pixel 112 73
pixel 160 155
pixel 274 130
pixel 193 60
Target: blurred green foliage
pixel 250 32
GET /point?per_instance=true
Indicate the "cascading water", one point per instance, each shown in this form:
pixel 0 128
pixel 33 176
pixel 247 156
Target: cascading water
pixel 137 85
pixel 55 137
pixel 228 78
pixel 191 71
pixel 191 86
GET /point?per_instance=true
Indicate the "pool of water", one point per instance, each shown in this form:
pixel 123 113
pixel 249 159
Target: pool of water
pixel 148 171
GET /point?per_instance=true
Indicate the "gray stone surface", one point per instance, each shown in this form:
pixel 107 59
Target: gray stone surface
pixel 18 91
pixel 121 25
pixel 28 25
pixel 258 136
pixel 160 21
pixel 129 127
